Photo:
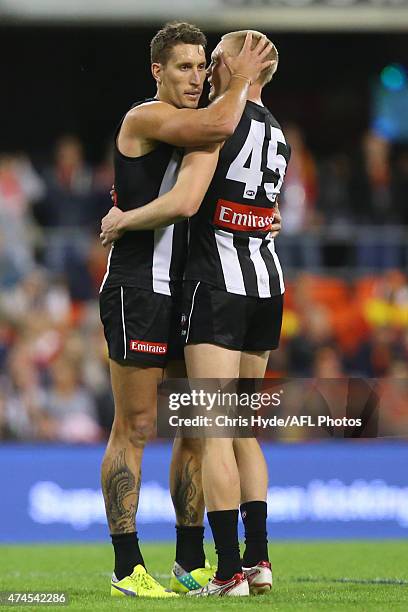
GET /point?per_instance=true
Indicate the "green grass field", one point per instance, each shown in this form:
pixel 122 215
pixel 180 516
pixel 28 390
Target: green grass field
pixel 358 576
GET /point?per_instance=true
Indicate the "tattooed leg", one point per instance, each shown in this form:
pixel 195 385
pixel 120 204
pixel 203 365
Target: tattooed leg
pixel 135 394
pixel 188 500
pixel 121 494
pixel 185 482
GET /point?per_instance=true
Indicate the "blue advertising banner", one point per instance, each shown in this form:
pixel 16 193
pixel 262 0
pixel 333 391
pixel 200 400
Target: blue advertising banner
pixel 317 490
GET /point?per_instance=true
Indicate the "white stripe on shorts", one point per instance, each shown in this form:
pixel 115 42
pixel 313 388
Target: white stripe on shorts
pixel 191 311
pixel 123 324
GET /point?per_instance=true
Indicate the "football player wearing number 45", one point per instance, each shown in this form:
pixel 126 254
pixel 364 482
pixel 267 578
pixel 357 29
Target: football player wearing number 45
pixel 233 300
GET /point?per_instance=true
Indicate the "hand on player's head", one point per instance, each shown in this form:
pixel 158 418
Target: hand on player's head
pixel 249 63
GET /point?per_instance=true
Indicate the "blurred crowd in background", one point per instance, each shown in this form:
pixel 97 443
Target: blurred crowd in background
pixel 344 248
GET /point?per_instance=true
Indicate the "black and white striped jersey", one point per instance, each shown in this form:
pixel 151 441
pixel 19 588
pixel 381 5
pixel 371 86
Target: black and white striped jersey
pixel 229 243
pixel 151 259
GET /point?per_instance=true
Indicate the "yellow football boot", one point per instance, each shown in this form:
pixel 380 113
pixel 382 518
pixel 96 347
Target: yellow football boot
pixel 138 584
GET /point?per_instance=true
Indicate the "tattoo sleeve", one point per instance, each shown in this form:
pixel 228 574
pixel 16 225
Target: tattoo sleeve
pixel 185 494
pixel 121 492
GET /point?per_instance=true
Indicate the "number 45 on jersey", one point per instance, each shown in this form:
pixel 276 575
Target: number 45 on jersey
pixel 276 162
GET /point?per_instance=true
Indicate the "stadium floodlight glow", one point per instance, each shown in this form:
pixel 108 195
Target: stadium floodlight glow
pixel 385 127
pixel 394 77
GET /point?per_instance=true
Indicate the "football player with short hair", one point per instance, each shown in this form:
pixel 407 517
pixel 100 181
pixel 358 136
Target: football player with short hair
pixel 141 292
pixel 233 300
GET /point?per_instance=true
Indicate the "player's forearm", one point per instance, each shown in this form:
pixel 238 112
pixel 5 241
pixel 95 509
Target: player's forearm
pixel 225 113
pixel 206 126
pixel 182 201
pixel 163 211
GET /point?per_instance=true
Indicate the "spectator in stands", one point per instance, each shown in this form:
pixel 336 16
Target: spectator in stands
pixel 36 295
pixel 327 363
pixel 371 199
pixel 68 210
pixel 71 405
pixel 334 203
pixel 314 328
pixel 315 332
pixel 371 181
pixel 10 272
pixel 69 186
pixel 25 398
pixel 20 187
pixel 297 246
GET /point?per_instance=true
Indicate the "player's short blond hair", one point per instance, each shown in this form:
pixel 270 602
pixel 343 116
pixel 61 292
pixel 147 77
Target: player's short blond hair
pixel 238 39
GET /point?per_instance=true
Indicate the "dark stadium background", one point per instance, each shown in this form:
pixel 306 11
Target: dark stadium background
pixel 81 79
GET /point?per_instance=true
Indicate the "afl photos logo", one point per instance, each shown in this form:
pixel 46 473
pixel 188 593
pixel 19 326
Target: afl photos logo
pixel 143 346
pixel 233 216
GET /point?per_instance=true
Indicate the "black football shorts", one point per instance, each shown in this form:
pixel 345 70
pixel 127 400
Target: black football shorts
pixel 141 327
pixel 239 322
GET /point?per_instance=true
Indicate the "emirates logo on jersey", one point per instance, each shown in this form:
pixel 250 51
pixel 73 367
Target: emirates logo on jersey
pixel 241 217
pixel 143 346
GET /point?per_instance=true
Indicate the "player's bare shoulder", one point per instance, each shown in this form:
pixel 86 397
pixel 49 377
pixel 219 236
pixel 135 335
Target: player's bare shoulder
pixel 138 130
pixel 143 119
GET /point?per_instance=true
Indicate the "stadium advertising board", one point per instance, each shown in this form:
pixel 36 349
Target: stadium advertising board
pixel 317 490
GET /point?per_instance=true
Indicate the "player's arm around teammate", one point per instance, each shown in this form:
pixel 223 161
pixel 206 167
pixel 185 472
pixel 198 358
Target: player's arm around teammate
pixel 182 202
pixel 179 69
pixel 179 122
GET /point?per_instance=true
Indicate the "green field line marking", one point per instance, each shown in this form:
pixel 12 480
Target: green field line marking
pixel 354 580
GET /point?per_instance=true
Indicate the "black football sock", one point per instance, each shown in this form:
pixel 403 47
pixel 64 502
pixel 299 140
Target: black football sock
pixel 127 553
pixel 224 526
pixel 256 538
pixel 190 547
